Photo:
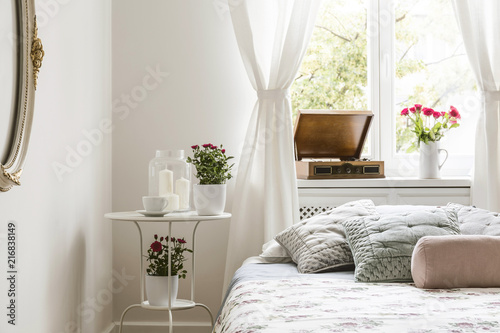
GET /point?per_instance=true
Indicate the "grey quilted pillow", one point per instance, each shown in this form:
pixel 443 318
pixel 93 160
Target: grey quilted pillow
pixel 382 246
pixel 477 221
pixel 318 244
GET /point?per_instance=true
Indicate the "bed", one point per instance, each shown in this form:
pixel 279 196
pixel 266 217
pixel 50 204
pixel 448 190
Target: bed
pixel 277 296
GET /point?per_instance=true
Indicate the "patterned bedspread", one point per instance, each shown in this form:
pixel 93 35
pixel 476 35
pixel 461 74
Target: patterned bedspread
pixel 339 305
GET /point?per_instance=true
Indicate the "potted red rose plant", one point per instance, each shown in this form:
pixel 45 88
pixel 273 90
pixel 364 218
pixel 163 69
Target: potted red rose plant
pixel 212 171
pixel 158 273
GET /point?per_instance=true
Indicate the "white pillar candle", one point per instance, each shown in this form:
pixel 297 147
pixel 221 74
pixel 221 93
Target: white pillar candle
pixel 182 190
pixel 173 201
pixel 166 179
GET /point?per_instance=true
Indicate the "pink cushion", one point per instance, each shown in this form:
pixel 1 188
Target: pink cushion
pixel 463 261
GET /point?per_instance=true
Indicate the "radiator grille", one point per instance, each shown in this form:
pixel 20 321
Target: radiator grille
pixel 309 211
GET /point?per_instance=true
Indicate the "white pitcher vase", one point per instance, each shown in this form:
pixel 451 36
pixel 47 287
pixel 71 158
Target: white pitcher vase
pixel 429 166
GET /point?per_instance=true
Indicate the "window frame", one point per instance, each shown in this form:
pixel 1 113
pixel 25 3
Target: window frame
pixel 381 80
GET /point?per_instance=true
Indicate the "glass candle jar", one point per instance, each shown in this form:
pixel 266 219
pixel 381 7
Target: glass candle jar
pixel 170 176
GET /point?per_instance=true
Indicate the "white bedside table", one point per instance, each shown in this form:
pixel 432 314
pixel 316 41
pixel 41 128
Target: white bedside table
pixel 179 304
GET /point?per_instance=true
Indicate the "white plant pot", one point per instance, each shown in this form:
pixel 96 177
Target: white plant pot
pixel 209 199
pixel 429 166
pixel 157 289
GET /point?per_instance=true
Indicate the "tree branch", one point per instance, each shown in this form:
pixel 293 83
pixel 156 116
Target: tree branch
pixel 406 52
pixel 444 59
pixel 334 33
pixel 401 18
pixel 451 88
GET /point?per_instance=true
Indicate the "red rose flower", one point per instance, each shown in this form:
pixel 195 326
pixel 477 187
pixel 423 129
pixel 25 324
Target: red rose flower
pixel 206 145
pixel 404 112
pixel 418 107
pixel 428 111
pixel 213 147
pixel 156 246
pixel 443 113
pixel 161 239
pixel 223 151
pixel 454 112
pixel 182 241
pixel 412 109
pixel 156 236
pixel 194 147
pixel 436 114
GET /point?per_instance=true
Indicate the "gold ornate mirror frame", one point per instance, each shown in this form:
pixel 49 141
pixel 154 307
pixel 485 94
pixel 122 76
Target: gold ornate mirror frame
pixel 31 54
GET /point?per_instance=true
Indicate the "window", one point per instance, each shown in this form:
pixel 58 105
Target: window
pixel 386 55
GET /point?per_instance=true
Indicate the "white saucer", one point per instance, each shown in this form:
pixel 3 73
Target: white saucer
pixel 154 214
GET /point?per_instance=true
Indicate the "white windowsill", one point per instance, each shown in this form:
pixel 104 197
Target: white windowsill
pixel 388 182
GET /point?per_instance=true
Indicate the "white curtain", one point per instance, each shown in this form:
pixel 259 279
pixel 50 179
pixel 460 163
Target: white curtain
pixel 479 23
pixel 272 37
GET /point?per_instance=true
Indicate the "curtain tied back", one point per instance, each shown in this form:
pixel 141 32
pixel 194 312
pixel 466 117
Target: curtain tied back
pixel 491 96
pixel 273 94
pixel 272 36
pixel 478 22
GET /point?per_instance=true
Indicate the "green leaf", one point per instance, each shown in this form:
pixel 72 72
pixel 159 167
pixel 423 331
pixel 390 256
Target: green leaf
pixel 411 149
pixel 436 127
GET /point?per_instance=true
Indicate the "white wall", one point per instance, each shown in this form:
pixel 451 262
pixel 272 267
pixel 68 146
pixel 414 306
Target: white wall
pixel 206 97
pixel 64 249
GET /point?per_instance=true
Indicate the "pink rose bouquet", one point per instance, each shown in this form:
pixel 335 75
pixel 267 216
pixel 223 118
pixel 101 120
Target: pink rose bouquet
pixel 430 125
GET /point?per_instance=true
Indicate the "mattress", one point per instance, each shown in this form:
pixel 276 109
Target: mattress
pixel 276 298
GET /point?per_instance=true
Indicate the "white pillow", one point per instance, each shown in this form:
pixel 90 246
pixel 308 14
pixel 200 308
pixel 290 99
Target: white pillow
pixel 272 252
pixel 477 221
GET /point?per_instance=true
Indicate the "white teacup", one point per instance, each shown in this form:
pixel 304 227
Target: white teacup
pixel 154 203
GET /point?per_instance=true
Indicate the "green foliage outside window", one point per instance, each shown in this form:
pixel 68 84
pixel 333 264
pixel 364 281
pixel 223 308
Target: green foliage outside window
pixel 334 73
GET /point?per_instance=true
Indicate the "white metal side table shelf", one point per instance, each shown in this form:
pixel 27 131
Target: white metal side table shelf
pixel 179 304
